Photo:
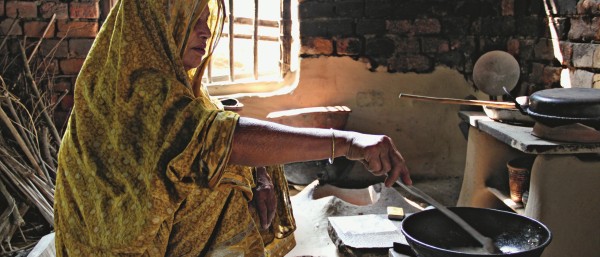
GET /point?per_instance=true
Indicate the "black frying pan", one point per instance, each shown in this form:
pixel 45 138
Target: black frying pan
pixel 563 106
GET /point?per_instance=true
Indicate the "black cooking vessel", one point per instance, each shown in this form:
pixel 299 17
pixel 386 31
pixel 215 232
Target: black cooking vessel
pixel 563 106
pixel 431 234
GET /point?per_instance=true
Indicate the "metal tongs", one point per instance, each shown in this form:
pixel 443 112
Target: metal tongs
pixel 486 242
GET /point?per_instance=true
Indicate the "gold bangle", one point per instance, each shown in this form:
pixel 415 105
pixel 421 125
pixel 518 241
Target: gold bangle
pixel 332 146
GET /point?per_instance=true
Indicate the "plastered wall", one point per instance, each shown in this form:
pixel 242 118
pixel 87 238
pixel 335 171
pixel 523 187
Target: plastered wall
pixel 426 133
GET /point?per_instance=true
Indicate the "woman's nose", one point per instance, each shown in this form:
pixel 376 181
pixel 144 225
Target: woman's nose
pixel 203 30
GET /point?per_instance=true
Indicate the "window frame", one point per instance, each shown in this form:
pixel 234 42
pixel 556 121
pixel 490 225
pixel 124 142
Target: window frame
pixel 288 62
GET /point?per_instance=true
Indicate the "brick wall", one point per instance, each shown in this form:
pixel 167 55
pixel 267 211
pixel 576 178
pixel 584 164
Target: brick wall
pixel 64 46
pixel 400 36
pixel 417 35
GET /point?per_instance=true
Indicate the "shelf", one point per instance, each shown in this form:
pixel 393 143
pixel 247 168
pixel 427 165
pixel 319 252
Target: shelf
pixel 521 138
pixel 517 207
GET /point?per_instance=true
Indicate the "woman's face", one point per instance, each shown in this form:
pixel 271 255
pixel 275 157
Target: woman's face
pixel 196 47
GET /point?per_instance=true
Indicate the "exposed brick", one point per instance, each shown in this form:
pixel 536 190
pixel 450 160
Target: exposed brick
pixel 508 7
pixel 60 118
pixel 408 9
pixel 408 63
pixel 399 27
pixel 566 48
pixel 537 71
pixel 21 9
pixel 493 43
pixel 84 10
pixel 455 26
pixel 427 26
pixel 340 27
pixel 526 47
pixel 544 50
pixel 551 75
pixel 62 86
pixel 596 57
pixel 71 66
pixel 588 7
pixel 348 46
pixel 370 26
pixel 596 81
pixel 47 9
pixel 54 48
pixel 565 7
pixel 86 29
pixel 314 46
pixel 378 8
pixel 434 45
pixel 513 47
pixel 313 28
pixel 50 66
pixel 307 10
pixel 79 48
pixel 350 8
pixel 466 45
pixel 530 26
pixel 407 45
pixel 498 26
pixel 5 27
pixel 580 78
pixel 36 29
pixel 476 9
pixel 380 47
pixel 582 30
pixel 583 55
pixel 67 102
pixel 454 59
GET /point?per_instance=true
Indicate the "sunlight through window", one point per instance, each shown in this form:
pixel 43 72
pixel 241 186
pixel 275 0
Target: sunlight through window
pixel 253 55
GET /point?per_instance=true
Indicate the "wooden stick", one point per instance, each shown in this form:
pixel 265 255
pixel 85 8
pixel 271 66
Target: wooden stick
pixel 42 38
pixel 503 105
pixel 20 141
pixel 12 26
pixel 45 114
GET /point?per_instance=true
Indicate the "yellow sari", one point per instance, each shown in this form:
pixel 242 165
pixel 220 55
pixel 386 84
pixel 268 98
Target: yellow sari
pixel 143 163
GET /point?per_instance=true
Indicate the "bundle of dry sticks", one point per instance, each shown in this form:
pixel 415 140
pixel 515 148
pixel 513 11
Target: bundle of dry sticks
pixel 29 142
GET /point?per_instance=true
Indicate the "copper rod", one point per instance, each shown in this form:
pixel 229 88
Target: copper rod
pixel 502 105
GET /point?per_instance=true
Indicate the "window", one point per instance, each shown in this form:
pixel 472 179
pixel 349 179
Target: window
pixel 257 58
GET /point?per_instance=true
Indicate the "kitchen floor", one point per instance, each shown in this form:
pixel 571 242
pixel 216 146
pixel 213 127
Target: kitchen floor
pixel 314 203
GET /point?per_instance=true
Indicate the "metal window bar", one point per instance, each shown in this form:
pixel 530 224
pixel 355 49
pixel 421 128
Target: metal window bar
pixel 255 39
pixel 256 22
pixel 285 36
pixel 231 38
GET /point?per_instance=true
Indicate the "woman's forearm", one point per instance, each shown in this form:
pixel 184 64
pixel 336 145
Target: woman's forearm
pixel 261 143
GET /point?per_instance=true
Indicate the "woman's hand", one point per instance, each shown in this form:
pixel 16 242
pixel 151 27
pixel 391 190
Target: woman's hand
pixel 264 198
pixel 379 154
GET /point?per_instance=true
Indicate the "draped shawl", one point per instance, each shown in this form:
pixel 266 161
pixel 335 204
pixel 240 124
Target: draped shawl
pixel 143 134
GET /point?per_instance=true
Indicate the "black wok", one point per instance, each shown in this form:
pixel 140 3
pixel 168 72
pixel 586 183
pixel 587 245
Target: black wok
pixel 431 234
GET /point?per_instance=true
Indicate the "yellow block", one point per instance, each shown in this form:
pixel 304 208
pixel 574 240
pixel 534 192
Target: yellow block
pixel 395 213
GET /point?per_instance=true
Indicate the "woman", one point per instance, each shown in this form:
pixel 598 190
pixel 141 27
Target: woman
pixel 150 166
